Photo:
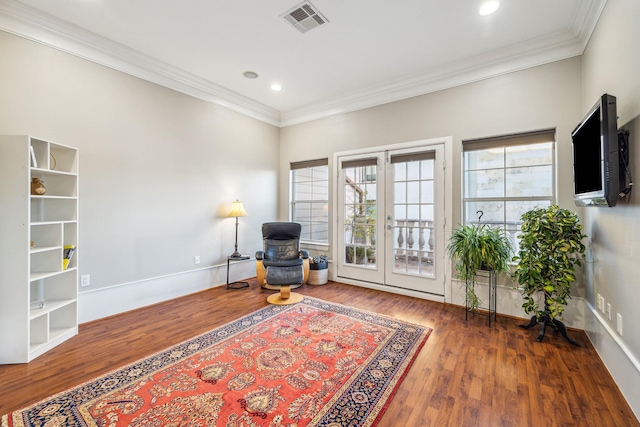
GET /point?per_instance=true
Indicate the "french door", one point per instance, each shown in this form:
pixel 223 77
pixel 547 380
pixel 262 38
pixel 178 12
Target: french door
pixel 391 218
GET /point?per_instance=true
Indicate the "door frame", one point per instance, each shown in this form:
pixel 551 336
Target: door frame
pixel 447 142
pixel 365 274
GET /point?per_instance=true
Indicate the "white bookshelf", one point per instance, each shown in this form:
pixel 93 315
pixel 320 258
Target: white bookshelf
pixel 32 274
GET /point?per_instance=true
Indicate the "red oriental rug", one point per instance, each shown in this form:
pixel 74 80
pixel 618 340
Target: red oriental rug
pixel 314 363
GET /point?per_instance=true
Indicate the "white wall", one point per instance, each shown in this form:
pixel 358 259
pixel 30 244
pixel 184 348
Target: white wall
pixel 538 98
pixel 554 95
pixel 158 171
pixel 611 64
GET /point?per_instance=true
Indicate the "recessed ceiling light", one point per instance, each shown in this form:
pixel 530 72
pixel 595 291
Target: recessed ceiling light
pixel 488 8
pixel 250 75
pixel 276 87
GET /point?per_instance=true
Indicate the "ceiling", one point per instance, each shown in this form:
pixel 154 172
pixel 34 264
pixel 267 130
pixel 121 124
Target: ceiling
pixel 370 52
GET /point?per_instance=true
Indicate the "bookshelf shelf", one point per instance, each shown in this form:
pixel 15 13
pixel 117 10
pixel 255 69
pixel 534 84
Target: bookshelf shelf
pixel 45 249
pixel 51 305
pixel 37 230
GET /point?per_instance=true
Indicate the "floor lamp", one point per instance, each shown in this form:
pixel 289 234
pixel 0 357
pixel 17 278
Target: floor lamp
pixel 237 210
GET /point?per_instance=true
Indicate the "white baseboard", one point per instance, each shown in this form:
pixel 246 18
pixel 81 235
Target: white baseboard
pixel 102 302
pixel 621 363
pixel 391 289
pixel 509 302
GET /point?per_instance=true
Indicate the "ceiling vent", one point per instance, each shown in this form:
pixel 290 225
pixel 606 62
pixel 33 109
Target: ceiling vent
pixel 304 17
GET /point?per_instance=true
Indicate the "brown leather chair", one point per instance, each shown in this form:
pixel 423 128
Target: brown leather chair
pixel 282 265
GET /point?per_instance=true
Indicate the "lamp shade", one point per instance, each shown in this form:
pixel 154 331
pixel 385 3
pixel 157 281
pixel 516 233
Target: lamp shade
pixel 237 209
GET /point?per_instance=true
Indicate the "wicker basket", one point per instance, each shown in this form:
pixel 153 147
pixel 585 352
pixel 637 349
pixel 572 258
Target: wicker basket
pixel 317 277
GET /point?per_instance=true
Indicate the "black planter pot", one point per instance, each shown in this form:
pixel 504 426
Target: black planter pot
pixel 318 265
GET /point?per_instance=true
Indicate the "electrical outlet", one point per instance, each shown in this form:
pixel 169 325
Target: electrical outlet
pixel 609 311
pixel 85 280
pixel 196 259
pixel 619 324
pixel 599 302
pixel 602 305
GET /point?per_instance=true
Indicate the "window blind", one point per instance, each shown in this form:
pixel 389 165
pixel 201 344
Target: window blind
pixel 545 135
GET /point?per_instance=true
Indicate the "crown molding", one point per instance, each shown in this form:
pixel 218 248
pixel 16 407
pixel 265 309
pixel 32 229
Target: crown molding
pixel 27 22
pixel 542 50
pixel 586 19
pixel 529 54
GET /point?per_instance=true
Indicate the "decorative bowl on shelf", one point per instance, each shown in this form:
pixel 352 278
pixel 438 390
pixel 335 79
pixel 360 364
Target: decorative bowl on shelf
pixel 37 187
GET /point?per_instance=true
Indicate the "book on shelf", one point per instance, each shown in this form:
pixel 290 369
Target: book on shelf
pixel 68 254
pixel 34 162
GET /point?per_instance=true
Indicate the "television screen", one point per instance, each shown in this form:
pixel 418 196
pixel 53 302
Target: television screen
pixel 587 153
pixel 596 177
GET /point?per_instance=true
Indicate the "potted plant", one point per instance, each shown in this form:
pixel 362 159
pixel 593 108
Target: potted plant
pixel 550 249
pixel 478 247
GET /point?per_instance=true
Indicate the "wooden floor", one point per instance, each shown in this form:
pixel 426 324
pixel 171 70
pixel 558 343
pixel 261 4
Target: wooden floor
pixel 466 374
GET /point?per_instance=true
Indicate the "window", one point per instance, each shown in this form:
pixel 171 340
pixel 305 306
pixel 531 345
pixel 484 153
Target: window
pixel 310 199
pixel 505 177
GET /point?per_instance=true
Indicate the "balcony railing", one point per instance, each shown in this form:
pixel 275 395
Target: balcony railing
pixel 410 230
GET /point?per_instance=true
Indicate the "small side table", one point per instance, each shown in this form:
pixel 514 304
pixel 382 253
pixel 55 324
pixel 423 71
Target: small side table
pixel 236 285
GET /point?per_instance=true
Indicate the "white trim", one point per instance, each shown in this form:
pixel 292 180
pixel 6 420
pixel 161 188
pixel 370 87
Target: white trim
pixel 149 279
pixel 614 335
pixel 469 71
pixel 623 366
pixel 27 22
pixel 509 303
pixel 30 23
pixel 392 289
pixel 115 299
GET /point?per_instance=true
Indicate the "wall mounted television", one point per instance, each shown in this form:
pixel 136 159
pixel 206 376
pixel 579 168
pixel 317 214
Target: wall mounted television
pixel 596 167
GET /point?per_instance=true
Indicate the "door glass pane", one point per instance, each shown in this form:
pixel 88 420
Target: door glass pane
pixel 427 169
pixel 413 212
pixel 426 192
pixel 400 192
pixel 413 225
pixel 413 192
pixel 426 212
pixel 360 216
pixel 413 171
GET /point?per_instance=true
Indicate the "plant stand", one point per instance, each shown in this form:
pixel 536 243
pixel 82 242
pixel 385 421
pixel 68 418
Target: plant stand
pixel 492 280
pixel 557 326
